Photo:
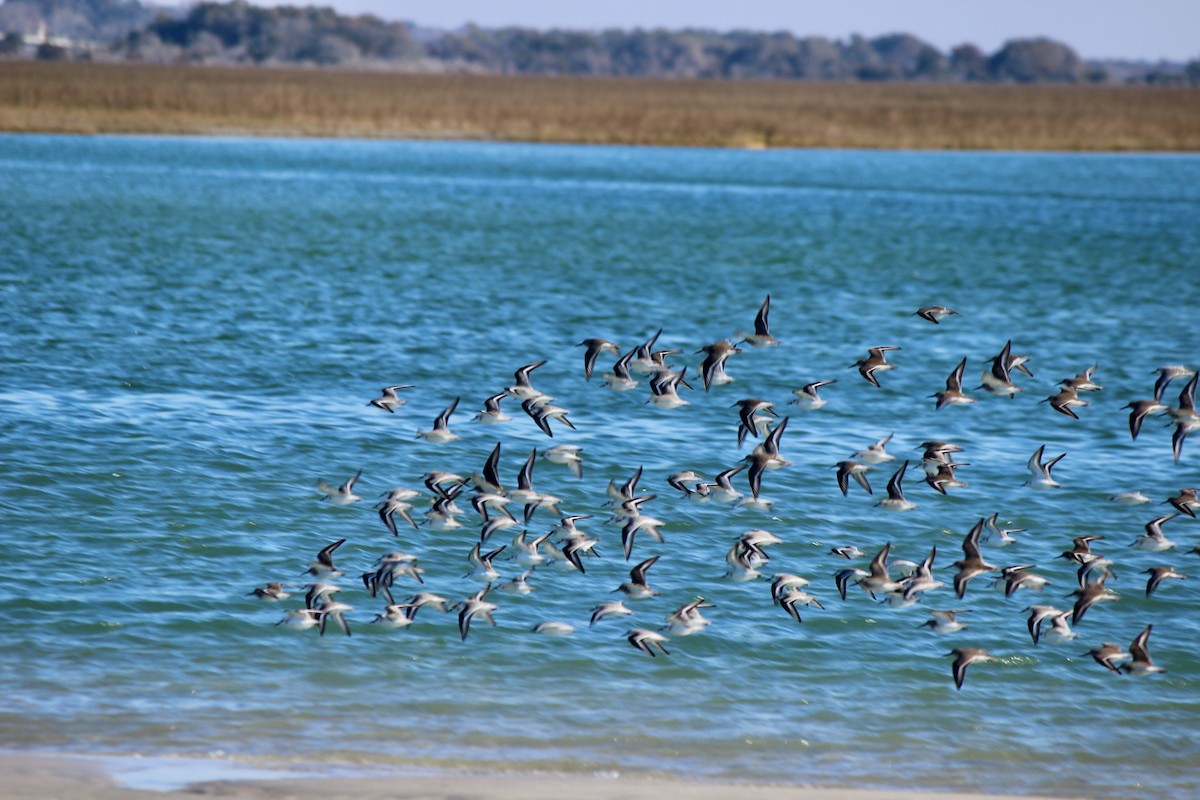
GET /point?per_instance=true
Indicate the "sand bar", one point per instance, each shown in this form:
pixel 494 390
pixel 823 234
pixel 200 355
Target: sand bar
pixel 39 776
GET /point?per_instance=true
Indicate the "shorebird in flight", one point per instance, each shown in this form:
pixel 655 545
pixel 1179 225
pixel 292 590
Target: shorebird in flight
pixel 388 400
pixel 343 495
pixel 876 361
pixel 935 314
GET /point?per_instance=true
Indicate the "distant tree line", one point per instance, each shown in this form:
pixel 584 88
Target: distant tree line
pixel 241 33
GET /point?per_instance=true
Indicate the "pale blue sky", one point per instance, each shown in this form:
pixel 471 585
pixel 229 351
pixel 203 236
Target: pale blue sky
pixel 1150 29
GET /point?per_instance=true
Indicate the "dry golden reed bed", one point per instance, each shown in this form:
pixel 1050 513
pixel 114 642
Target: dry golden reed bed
pixel 130 98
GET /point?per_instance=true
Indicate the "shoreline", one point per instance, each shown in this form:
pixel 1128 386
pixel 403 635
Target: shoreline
pixel 40 97
pixel 39 774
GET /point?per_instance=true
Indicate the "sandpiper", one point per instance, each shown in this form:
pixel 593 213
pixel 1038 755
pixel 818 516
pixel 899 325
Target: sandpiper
pixel 1065 401
pixel 1167 374
pixel 1082 382
pixel 619 494
pixel 750 423
pixel 972 563
pixel 790 600
pixel 878 579
pixel 1185 416
pixel 619 380
pixel 525 493
pixel 435 481
pixel 953 394
pixel 1060 628
pixel 998 380
pixel 934 454
pixel 636 587
pixel 491 413
pixel 895 501
pixel 475 606
pixel 1139 651
pixel 394 615
pixel 635 521
pixel 594 348
pixel 323 566
pixel 488 479
pixel 528 551
pixel 1186 502
pixel 876 361
pixel 722 489
pixel 712 370
pixel 1108 655
pixel 944 478
pixel 664 389
pixel 440 432
pixel 1154 539
pixel 541 411
pixel 808 396
pixel 921 579
pixel 395 502
pixel 521 387
pixel 1088 595
pixel 519 585
pixel 680 480
pixel 272 592
pixel 843 577
pixel 965 657
pixel 935 314
pixel 1003 536
pixel 646 640
pixel 687 619
pixel 852 469
pixel 483 571
pixel 422 599
pixel 300 618
pixel 1139 410
pixel 1020 576
pixel 335 610
pixel 766 457
pixel 1158 575
pixel 568 455
pixel 643 362
pixel 1040 471
pixel 875 453
pixel 1037 615
pixel 609 609
pixel 343 495
pixel 762 335
pixel 783 582
pixel 319 593
pixel 388 400
pixel 945 621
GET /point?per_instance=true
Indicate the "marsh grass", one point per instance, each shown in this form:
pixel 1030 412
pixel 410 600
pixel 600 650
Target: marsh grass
pixel 130 98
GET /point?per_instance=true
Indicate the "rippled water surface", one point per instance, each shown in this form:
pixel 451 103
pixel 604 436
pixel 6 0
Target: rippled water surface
pixel 192 330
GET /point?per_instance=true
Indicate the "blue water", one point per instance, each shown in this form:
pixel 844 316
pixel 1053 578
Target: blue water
pixel 192 330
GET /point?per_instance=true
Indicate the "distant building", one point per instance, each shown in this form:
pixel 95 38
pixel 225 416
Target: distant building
pixel 42 38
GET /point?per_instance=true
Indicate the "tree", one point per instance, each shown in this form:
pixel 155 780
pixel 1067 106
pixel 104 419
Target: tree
pixel 905 57
pixel 12 44
pixel 1036 61
pixel 968 63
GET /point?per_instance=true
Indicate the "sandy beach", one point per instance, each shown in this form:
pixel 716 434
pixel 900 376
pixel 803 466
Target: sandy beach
pixel 39 776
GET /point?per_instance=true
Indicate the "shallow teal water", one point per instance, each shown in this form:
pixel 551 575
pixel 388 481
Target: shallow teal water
pixel 193 328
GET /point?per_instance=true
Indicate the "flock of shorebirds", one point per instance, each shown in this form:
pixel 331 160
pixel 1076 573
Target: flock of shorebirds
pixel 566 546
